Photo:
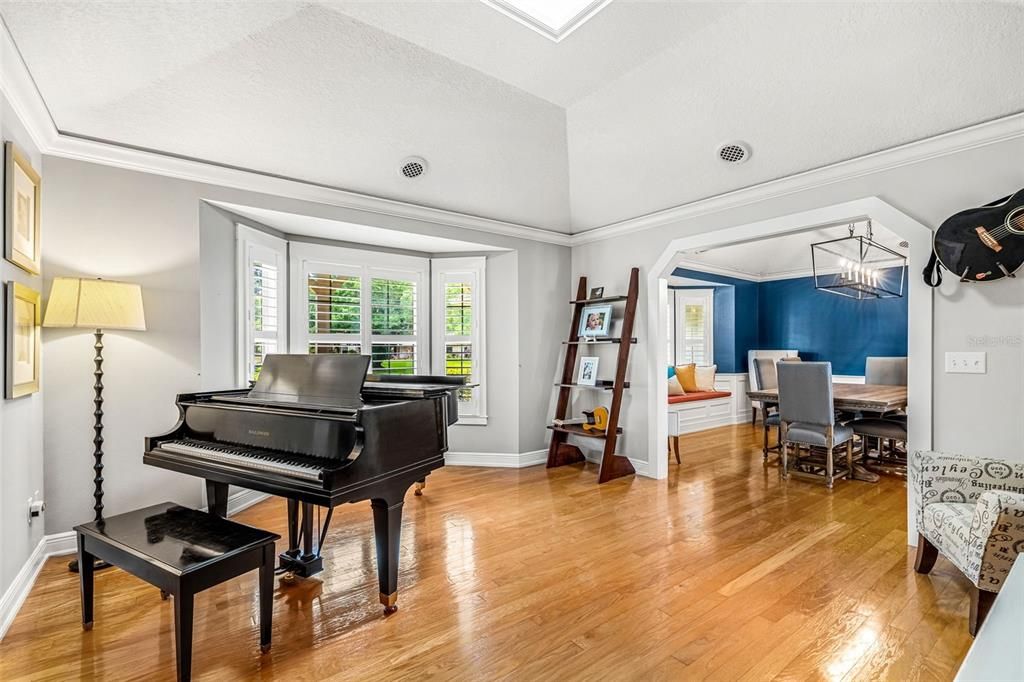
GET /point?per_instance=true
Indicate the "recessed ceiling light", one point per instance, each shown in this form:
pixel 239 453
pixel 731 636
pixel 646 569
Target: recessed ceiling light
pixel 554 19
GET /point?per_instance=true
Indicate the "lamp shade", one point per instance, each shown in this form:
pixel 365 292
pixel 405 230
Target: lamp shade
pixel 95 304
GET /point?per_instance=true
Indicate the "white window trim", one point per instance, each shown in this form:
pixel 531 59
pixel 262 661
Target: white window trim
pixel 307 258
pixel 251 243
pixel 472 269
pixel 682 296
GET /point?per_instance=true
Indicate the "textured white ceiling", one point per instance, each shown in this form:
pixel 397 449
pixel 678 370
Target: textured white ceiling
pixel 785 256
pixel 620 119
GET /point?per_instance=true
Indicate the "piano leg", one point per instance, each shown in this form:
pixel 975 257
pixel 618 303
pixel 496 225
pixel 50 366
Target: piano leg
pixel 387 527
pixel 307 531
pixel 293 528
pixel 217 498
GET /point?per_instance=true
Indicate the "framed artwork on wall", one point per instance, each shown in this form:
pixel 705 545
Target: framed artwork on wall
pixel 21 210
pixel 596 320
pixel 22 340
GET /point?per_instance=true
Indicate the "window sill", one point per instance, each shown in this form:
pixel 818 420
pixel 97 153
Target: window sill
pixel 472 420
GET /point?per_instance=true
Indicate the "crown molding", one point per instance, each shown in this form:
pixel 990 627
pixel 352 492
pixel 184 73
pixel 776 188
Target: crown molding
pixel 980 135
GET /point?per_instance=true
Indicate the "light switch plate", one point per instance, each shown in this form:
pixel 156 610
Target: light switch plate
pixel 966 362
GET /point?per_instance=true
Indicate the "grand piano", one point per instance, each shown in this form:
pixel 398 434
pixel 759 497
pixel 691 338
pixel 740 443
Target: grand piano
pixel 318 431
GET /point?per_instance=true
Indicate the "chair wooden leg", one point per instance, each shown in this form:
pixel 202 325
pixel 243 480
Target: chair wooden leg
pixel 981 602
pixel 753 416
pixel 830 463
pixel 764 449
pixel 784 469
pixel 849 458
pixel 927 553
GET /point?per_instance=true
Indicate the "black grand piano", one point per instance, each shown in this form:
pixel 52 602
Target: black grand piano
pixel 319 431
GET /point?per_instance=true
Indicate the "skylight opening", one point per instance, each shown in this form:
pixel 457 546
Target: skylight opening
pixel 554 19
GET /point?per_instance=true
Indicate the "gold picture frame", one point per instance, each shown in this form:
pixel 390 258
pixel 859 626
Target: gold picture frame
pixel 21 210
pixel 22 340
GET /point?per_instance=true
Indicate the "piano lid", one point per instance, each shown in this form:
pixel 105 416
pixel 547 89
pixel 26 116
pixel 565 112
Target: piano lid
pixel 315 381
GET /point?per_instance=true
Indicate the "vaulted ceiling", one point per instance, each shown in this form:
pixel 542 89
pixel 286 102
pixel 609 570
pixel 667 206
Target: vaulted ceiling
pixel 619 119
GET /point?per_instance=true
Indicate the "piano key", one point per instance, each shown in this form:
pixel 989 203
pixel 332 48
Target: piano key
pixel 249 459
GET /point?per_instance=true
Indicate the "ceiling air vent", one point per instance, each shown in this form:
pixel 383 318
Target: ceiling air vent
pixel 413 167
pixel 733 152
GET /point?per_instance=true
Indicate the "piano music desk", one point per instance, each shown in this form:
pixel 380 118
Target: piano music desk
pixel 181 551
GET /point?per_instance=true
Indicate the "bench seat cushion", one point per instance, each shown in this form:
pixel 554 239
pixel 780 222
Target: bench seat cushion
pixel 699 395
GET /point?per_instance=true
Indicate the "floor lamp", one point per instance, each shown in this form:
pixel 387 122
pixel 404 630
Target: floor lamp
pixel 96 304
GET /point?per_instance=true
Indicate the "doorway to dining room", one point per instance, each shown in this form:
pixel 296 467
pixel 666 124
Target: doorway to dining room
pixel 795 317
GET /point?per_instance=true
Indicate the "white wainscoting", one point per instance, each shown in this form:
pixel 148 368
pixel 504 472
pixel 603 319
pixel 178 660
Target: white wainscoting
pixel 701 415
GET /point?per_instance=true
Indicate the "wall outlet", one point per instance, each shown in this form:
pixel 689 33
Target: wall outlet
pixel 966 362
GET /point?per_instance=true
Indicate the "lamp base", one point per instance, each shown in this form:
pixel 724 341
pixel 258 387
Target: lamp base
pixel 97 565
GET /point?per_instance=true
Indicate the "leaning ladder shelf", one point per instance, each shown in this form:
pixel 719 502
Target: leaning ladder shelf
pixel 561 452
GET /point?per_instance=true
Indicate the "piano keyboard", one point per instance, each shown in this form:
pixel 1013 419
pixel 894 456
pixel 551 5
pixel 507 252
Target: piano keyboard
pixel 249 458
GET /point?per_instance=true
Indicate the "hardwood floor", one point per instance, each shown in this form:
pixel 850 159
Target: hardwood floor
pixel 722 572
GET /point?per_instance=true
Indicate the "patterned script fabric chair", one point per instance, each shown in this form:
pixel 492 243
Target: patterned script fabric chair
pixel 972 511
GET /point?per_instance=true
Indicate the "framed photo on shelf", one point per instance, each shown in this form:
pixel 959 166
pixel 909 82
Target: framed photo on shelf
pixel 22 336
pixel 21 210
pixel 588 371
pixel 596 320
pixel 597 292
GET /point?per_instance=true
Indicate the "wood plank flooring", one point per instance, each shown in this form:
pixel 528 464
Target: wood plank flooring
pixel 722 572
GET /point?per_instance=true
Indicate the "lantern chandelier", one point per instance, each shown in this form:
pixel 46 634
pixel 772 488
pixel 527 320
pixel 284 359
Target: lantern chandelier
pixel 858 267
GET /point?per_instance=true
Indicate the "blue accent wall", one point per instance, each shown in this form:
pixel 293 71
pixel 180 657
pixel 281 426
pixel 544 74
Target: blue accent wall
pixel 827 327
pixel 791 313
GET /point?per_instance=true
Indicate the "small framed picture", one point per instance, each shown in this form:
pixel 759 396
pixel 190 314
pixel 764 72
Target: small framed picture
pixel 588 371
pixel 22 336
pixel 596 320
pixel 597 292
pixel 21 210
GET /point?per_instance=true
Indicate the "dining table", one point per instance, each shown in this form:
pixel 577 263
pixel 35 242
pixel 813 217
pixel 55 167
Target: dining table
pixel 870 398
pixel 876 398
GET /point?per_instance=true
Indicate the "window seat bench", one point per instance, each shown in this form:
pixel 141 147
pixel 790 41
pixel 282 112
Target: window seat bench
pixel 693 412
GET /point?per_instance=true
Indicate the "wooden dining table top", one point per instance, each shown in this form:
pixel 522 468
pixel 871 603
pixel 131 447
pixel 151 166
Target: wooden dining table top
pixel 866 397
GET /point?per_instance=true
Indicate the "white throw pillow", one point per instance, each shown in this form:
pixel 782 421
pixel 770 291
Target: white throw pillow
pixel 706 377
pixel 674 387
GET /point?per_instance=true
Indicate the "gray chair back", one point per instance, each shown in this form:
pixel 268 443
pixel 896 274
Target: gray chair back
pixel 805 392
pixel 886 371
pixel 767 377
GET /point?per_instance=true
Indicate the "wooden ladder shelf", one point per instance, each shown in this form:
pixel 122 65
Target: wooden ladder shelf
pixel 561 452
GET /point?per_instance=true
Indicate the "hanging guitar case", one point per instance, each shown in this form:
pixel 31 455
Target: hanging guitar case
pixel 980 244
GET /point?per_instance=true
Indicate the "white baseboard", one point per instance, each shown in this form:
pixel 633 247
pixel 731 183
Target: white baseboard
pixel 14 597
pixel 641 467
pixel 244 499
pixel 503 460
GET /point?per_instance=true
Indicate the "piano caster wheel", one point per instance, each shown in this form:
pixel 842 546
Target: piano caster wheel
pixel 164 595
pixel 420 485
pixel 288 577
pixel 388 610
pixel 87 626
pixel 264 648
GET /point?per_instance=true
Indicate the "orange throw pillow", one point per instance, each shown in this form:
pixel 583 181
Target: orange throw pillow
pixel 687 375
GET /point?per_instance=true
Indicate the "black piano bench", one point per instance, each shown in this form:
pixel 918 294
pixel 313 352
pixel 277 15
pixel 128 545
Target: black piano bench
pixel 181 551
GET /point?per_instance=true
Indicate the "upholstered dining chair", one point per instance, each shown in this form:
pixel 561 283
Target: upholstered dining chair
pixel 885 371
pixel 767 377
pixel 807 412
pixel 971 510
pixel 890 427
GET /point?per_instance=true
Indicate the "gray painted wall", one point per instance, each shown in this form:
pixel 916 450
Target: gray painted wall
pixel 103 221
pixel 21 420
pixel 976 414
